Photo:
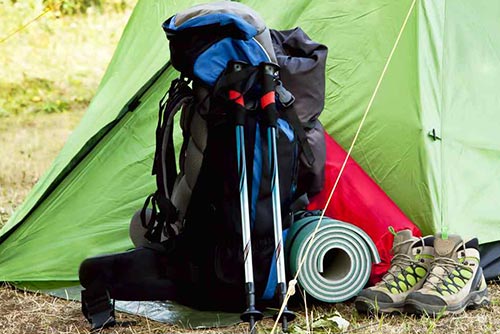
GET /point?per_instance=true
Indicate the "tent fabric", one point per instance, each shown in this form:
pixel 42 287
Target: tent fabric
pixel 430 140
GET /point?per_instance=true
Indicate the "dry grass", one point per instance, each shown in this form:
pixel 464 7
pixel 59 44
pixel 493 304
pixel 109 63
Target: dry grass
pixel 24 312
pixel 38 70
pixel 27 312
pixel 28 145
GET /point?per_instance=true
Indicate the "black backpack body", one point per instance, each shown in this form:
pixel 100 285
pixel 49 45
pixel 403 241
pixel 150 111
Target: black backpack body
pixel 211 240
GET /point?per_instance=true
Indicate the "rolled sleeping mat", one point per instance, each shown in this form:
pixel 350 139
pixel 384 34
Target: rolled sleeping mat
pixel 339 261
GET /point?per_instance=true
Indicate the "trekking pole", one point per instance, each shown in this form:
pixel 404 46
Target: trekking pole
pixel 268 105
pixel 251 315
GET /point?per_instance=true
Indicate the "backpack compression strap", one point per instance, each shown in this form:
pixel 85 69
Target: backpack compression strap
pixel 287 100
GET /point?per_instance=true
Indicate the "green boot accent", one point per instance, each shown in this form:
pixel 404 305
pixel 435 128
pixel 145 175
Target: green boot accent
pixel 407 273
pixel 455 281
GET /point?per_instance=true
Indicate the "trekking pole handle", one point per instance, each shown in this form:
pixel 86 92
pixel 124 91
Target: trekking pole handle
pixel 236 94
pixel 268 98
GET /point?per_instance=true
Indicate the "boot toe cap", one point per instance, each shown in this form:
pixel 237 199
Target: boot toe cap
pixel 375 295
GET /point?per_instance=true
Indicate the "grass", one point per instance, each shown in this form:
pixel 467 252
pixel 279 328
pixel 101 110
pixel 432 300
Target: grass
pixel 50 71
pixel 49 74
pixel 28 144
pixel 24 312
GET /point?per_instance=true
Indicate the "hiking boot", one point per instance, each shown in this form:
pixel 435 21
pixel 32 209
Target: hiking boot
pixel 407 273
pixel 455 281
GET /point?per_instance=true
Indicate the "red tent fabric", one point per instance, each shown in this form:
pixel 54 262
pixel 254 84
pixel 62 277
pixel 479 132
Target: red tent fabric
pixel 358 200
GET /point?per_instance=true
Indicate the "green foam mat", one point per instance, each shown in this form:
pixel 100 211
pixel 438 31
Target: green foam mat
pixel 337 265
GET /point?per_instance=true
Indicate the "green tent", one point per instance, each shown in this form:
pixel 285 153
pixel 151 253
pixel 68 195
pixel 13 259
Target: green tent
pixel 431 139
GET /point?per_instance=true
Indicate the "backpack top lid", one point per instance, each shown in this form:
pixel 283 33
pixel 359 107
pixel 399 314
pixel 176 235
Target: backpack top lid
pixel 204 38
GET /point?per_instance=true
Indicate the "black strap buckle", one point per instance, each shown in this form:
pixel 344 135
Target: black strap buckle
pixel 98 309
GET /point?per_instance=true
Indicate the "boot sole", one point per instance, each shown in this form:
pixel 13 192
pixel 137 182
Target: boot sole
pixel 366 305
pixel 474 300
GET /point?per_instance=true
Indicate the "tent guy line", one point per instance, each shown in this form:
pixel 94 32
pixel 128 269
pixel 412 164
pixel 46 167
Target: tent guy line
pixel 293 282
pixel 24 26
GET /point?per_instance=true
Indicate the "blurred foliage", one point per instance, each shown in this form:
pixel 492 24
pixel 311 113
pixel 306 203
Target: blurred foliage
pixel 53 63
pixel 34 95
pixel 71 7
pixel 74 7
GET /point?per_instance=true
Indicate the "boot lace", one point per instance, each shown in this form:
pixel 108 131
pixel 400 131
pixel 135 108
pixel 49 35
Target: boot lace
pixel 399 263
pixel 442 268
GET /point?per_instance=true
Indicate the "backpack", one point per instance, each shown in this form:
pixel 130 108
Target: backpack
pixel 195 212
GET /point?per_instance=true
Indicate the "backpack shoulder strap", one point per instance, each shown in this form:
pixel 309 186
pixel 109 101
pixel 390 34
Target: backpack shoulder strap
pixel 164 165
pixel 164 213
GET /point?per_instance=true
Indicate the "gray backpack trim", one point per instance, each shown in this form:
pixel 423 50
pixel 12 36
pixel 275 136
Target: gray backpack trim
pixel 186 180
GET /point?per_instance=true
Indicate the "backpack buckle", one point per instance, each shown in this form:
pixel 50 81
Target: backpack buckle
pixel 284 96
pixel 98 309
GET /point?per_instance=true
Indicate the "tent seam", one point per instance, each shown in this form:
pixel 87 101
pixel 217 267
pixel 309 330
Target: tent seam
pixel 440 113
